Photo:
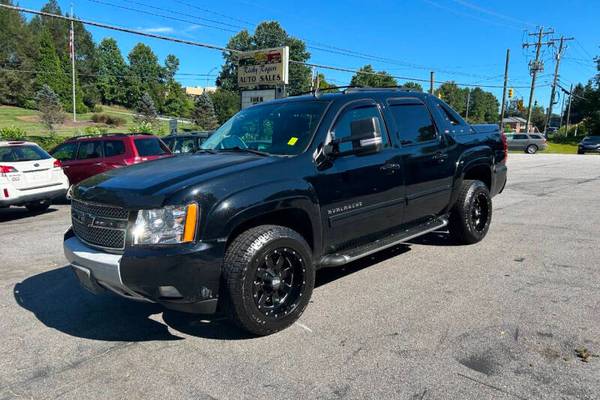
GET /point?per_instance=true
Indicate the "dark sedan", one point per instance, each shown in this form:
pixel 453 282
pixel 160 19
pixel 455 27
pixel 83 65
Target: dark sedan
pixel 589 144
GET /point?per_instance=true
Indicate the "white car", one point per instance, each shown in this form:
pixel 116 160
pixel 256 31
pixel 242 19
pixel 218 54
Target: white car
pixel 29 176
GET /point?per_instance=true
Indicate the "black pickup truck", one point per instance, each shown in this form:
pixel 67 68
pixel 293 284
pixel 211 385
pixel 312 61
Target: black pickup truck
pixel 280 190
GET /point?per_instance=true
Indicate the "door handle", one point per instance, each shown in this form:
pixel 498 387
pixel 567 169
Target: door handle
pixel 440 157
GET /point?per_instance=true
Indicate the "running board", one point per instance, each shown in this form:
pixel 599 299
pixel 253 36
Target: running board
pixel 337 259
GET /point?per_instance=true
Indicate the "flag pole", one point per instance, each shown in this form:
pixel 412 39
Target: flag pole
pixel 72 48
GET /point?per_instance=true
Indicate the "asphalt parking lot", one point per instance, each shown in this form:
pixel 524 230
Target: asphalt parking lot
pixel 502 319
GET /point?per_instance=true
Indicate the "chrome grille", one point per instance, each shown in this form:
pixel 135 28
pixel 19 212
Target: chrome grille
pixel 99 225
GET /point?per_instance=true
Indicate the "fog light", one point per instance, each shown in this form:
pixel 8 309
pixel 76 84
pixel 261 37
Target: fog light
pixel 169 291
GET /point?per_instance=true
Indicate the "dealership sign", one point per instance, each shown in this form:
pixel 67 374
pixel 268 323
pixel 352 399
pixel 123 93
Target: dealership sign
pixel 267 67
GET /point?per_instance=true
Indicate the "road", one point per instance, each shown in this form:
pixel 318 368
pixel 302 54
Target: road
pixel 498 320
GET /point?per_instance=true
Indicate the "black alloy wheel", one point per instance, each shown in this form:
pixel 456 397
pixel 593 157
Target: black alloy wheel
pixel 278 283
pixel 471 215
pixel 479 212
pixel 268 278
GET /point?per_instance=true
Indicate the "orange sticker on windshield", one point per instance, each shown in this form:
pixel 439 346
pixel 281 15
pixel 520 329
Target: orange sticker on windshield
pixel 292 141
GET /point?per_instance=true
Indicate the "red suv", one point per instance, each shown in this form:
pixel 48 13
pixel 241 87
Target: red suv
pixel 86 156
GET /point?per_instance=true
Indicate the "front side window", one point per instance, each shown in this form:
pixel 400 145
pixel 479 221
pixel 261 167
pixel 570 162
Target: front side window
pixel 22 153
pixel 414 123
pixel 88 150
pixel 343 125
pixel 277 128
pixel 65 151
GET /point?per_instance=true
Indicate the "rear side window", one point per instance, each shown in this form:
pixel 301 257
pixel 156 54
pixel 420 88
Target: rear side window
pixel 520 137
pixel 150 147
pixel 88 150
pixel 22 153
pixel 65 151
pixel 414 123
pixel 342 127
pixel 535 136
pixel 113 148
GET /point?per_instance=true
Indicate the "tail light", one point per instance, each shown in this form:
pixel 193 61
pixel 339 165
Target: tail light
pixel 6 193
pixel 7 169
pixel 504 145
pixel 57 164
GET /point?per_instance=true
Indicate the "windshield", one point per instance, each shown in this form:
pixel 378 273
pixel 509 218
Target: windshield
pixel 22 153
pixel 278 128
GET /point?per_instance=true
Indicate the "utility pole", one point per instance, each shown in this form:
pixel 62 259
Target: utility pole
pixel 536 66
pixel 72 50
pixel 569 108
pixel 468 103
pixel 561 48
pixel 562 111
pixel 503 109
pixel 431 81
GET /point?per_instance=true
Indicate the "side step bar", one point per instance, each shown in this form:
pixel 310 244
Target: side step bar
pixel 337 259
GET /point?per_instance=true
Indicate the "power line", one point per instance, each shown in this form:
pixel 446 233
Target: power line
pixel 318 46
pixel 220 48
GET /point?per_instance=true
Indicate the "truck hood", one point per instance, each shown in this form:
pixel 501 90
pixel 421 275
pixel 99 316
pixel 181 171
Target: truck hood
pixel 150 183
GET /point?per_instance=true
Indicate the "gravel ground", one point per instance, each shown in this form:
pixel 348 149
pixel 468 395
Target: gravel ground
pixel 502 319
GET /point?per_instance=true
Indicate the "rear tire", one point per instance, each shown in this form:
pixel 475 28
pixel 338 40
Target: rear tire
pixel 531 149
pixel 580 152
pixel 471 215
pixel 268 279
pixel 38 206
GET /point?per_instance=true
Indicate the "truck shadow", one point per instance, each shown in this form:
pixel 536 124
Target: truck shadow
pixel 59 302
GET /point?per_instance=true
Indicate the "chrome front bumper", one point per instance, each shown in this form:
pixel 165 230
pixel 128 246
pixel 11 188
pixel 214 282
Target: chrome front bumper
pixel 96 270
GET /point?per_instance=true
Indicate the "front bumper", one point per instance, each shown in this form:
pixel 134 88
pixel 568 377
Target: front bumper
pixel 182 279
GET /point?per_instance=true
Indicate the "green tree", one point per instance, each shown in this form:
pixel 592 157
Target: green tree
pixel 17 54
pixel 176 101
pixel 145 76
pixel 368 77
pixel 204 114
pixel 112 72
pixel 52 72
pixel 146 112
pixel 454 96
pixel 50 107
pixel 483 107
pixel 413 86
pixel 267 35
pixel 226 104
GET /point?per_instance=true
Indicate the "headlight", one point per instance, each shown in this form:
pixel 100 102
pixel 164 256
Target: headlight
pixel 169 225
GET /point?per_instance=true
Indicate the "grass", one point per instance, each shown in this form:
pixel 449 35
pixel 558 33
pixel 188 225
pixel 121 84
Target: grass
pixel 560 148
pixel 28 120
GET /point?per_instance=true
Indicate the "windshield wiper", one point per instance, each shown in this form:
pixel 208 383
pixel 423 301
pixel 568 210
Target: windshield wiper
pixel 246 150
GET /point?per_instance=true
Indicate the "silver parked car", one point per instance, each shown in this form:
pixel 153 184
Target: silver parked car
pixel 529 143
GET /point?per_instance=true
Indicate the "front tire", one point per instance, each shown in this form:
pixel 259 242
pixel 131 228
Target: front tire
pixel 269 277
pixel 531 149
pixel 38 206
pixel 471 215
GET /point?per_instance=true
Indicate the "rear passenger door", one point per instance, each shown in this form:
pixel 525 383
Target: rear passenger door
pixel 114 154
pixel 428 172
pixel 519 142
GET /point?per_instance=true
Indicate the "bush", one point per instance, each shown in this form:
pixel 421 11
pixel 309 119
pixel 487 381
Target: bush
pixel 94 131
pixel 12 133
pixel 142 127
pixel 47 142
pixel 97 108
pixel 108 120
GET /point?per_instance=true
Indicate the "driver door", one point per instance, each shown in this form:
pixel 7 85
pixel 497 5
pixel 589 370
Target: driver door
pixel 361 195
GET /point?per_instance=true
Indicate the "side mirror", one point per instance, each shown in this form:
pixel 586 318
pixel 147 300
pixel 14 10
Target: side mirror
pixel 365 135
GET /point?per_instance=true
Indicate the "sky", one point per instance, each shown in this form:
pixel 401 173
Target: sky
pixel 461 40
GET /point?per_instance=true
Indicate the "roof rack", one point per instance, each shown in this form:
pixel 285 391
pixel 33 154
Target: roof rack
pixel 353 89
pixel 108 134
